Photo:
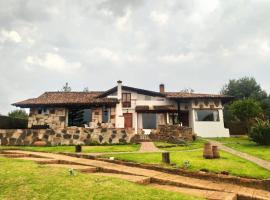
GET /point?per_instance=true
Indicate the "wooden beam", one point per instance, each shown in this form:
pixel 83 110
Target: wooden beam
pixel 178 111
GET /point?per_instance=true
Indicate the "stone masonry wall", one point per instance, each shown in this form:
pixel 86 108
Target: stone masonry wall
pixel 171 133
pixel 66 136
pixel 55 118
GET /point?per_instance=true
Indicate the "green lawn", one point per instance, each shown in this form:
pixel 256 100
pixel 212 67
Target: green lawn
pixel 229 163
pixel 85 149
pixel 176 147
pixel 245 145
pixel 23 180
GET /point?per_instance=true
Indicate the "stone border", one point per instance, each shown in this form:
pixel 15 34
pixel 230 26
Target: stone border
pixel 247 182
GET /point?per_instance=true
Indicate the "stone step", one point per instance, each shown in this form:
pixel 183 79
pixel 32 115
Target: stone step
pixel 81 168
pixel 242 192
pixel 9 155
pixel 132 178
pixel 38 159
pixel 208 194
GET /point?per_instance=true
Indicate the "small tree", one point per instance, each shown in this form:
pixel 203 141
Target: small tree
pixel 86 89
pixel 18 114
pixel 66 88
pixel 246 110
pixel 187 90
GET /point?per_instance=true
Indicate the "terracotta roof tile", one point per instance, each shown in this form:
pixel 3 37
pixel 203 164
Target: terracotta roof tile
pixel 66 98
pixel 184 95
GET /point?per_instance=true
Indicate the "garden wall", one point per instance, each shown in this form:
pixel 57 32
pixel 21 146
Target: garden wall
pixel 171 133
pixel 236 128
pixel 66 136
pixel 11 123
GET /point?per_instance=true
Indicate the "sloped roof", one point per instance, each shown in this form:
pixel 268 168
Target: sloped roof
pixel 185 95
pixel 66 98
pixel 133 89
pixel 100 98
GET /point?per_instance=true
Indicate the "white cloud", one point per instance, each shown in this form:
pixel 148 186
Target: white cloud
pixel 178 58
pixel 160 18
pixel 12 36
pixel 123 23
pixel 104 53
pixel 53 61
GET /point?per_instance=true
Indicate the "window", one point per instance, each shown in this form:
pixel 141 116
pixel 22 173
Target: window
pixel 79 117
pixel 173 118
pixel 43 111
pixel 207 115
pixel 105 115
pixel 149 120
pixel 126 100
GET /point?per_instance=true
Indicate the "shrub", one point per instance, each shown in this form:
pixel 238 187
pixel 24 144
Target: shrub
pixel 260 132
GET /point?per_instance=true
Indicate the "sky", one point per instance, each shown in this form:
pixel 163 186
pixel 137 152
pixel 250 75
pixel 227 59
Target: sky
pixel 183 44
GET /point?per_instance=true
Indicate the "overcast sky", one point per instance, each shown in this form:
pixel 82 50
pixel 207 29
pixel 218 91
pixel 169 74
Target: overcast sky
pixel 181 43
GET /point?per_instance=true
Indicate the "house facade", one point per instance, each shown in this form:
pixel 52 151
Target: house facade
pixel 131 108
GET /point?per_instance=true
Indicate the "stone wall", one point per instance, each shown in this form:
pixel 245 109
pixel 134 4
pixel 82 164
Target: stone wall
pixel 97 117
pixel 55 118
pixel 171 133
pixel 66 136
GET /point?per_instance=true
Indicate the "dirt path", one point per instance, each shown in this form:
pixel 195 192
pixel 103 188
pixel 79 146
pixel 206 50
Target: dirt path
pixel 263 163
pixel 148 147
pixel 159 177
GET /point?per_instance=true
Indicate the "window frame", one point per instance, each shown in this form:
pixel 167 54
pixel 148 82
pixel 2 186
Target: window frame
pixel 213 110
pixel 126 100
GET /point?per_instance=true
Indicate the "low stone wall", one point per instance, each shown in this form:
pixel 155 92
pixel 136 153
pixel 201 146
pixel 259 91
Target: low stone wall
pixel 172 133
pixel 66 136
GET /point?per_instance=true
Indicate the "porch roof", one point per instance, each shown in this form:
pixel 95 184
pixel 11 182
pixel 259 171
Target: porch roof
pixel 161 108
pixel 66 99
pixel 189 96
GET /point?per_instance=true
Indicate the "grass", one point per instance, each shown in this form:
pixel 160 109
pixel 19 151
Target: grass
pixel 23 180
pixel 177 147
pixel 245 145
pixel 228 162
pixel 85 149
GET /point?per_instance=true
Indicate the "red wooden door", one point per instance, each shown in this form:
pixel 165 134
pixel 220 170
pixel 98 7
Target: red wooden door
pixel 128 120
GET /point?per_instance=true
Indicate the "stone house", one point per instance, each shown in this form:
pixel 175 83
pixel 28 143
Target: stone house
pixel 131 108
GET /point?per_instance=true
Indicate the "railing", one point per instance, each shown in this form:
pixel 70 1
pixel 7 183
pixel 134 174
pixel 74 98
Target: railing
pixel 144 138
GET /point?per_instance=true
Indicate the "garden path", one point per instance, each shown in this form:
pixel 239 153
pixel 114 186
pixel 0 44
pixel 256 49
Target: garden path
pixel 148 147
pixel 263 163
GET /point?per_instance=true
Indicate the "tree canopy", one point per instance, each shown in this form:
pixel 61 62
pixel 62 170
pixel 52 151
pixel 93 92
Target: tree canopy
pixel 18 114
pixel 245 87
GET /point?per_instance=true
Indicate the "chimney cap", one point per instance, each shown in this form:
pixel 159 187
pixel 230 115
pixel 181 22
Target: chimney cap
pixel 162 88
pixel 119 81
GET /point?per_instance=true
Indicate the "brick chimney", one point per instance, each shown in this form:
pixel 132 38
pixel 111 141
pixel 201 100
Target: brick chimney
pixel 162 88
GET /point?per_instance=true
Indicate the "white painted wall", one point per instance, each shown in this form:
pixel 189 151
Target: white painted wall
pixel 209 129
pixel 203 129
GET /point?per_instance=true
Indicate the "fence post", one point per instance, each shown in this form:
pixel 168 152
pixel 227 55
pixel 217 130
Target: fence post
pixel 78 148
pixel 166 157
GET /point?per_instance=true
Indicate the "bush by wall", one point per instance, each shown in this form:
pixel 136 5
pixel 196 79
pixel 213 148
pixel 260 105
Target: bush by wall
pixel 260 132
pixel 12 123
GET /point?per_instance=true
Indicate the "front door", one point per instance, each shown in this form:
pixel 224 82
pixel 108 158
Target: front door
pixel 184 118
pixel 128 120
